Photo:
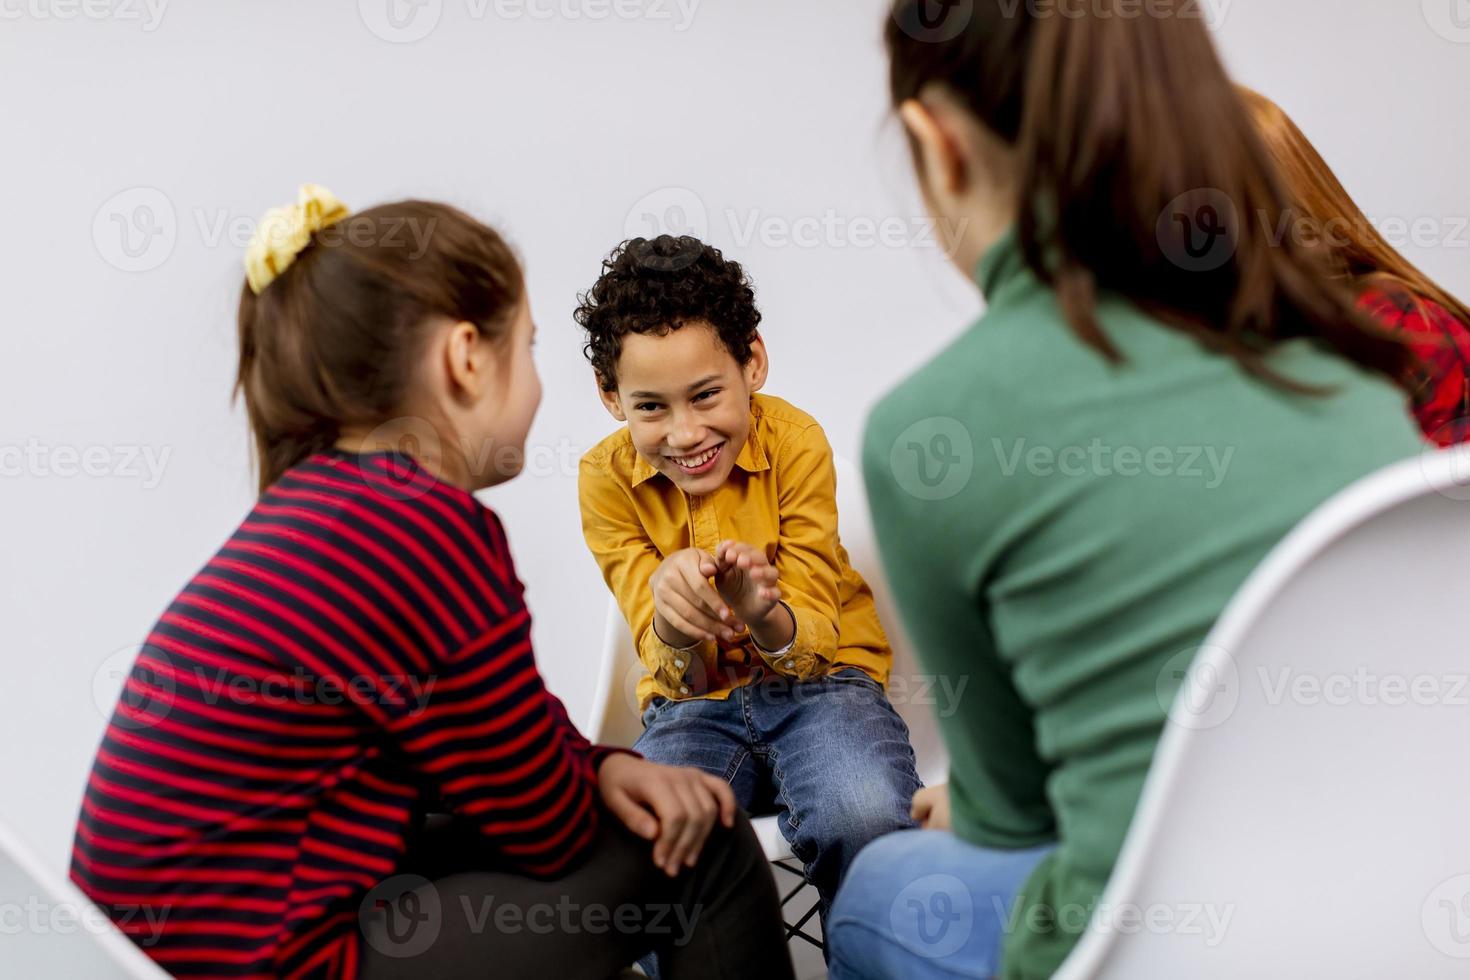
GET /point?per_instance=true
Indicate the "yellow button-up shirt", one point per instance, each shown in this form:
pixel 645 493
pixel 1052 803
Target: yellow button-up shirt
pixel 781 496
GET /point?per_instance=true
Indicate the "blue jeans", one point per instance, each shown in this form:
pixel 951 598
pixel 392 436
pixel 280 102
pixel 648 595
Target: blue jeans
pixel 830 756
pixel 924 904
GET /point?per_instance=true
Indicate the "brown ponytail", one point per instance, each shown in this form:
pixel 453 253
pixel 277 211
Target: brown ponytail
pixel 333 340
pixel 1130 141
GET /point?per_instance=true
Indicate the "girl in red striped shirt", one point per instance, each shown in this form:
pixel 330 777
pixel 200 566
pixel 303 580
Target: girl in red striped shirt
pixel 357 656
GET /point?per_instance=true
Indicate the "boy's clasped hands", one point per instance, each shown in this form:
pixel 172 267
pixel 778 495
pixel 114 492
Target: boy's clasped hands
pixel 676 807
pixel 745 595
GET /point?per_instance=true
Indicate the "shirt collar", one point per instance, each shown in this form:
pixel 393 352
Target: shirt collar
pixel 752 457
pixel 1000 264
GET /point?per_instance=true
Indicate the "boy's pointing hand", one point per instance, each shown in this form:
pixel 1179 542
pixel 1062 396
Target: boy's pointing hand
pixel 747 580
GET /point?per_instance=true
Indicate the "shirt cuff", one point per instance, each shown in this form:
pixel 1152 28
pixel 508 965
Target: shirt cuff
pixel 679 672
pixel 796 659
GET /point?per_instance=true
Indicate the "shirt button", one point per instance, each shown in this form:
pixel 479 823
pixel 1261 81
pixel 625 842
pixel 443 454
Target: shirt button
pixel 683 690
pixel 789 664
pixel 679 664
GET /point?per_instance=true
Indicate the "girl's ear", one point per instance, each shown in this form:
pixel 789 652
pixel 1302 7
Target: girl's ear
pixel 468 361
pixel 940 161
pixel 611 402
pixel 758 366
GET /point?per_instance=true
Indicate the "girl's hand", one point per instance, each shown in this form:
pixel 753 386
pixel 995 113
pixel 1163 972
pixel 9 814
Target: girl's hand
pixel 686 609
pixel 931 807
pixel 675 807
pixel 746 580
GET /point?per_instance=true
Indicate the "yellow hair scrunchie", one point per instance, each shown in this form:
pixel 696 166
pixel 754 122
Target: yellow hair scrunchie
pixel 284 232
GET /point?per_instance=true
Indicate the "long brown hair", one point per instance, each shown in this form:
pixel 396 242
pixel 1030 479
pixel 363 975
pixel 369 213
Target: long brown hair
pixel 334 339
pixel 1358 252
pixel 1129 139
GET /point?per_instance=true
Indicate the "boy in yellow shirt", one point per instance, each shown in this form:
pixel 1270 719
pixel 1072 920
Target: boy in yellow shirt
pixel 713 517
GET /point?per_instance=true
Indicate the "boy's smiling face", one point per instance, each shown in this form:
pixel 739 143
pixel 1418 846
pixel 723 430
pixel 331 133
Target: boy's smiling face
pixel 687 402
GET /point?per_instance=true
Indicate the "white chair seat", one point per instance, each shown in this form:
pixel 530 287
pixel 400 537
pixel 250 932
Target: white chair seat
pixel 773 842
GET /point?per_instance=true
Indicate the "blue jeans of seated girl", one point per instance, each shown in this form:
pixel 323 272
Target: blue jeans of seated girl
pixel 831 757
pixel 925 905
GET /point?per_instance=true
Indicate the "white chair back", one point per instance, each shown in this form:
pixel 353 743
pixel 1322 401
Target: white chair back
pixel 51 929
pixel 1305 814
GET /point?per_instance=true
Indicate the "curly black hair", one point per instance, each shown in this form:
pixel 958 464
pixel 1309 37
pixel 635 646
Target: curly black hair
pixel 660 284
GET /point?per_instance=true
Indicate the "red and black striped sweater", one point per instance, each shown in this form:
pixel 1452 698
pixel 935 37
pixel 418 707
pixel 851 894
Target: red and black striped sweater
pixel 357 651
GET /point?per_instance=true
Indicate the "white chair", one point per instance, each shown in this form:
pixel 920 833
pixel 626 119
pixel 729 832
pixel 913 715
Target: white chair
pixel 1310 789
pixel 50 929
pixel 615 719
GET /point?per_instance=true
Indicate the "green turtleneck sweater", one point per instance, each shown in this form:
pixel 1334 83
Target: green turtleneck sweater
pixel 1061 530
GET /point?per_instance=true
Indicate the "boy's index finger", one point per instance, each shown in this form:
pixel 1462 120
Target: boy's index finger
pixel 705 595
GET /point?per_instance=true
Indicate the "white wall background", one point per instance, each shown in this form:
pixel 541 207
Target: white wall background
pixel 564 130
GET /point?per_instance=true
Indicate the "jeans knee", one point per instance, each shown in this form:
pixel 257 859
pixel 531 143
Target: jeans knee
pixel 860 819
pixel 890 856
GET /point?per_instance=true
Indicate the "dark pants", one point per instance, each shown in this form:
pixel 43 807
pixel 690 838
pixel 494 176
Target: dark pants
pixel 830 756
pixel 445 916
